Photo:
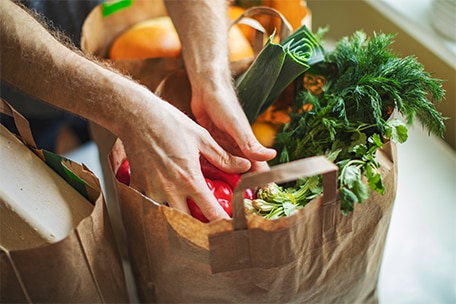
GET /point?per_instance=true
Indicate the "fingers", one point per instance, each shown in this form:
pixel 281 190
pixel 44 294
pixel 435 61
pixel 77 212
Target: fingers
pixel 172 179
pixel 252 149
pixel 196 188
pixel 236 126
pixel 259 167
pixel 208 204
pixel 247 143
pixel 227 162
pixel 176 195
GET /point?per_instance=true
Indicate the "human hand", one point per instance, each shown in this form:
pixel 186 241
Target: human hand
pixel 215 107
pixel 163 146
pixel 214 102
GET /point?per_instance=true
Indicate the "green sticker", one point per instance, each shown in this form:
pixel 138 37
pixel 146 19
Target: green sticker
pixel 109 8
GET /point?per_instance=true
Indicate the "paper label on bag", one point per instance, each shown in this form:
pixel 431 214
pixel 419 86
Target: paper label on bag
pixel 109 8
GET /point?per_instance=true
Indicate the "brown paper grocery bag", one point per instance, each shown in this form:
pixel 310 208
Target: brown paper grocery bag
pixel 100 30
pixel 316 255
pixel 57 244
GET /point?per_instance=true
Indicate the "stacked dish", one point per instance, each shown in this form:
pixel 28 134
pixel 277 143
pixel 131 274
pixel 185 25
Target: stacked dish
pixel 443 17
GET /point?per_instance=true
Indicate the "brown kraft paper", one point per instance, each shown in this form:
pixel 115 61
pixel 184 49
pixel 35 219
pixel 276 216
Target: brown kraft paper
pixel 82 267
pixel 314 256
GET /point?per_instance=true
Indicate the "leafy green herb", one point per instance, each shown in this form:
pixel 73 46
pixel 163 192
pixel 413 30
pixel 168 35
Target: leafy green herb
pixel 273 201
pixel 369 77
pixel 352 116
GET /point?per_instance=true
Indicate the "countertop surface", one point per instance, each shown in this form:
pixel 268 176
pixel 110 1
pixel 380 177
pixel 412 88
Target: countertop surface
pixel 419 264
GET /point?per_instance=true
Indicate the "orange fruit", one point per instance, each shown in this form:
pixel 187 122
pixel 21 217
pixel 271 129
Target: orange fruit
pixel 151 38
pixel 239 36
pixel 239 46
pixel 265 132
pixel 157 37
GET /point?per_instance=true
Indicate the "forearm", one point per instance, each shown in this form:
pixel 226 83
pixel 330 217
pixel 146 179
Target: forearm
pixel 203 28
pixel 163 144
pixel 35 62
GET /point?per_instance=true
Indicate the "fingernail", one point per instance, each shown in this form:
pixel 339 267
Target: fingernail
pixel 242 163
pixel 269 152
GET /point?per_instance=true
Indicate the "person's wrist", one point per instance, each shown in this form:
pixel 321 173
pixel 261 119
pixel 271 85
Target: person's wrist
pixel 211 80
pixel 131 106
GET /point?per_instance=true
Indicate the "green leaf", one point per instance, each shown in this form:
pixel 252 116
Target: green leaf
pixel 347 200
pixel 376 183
pixel 376 140
pixel 351 119
pixel 289 208
pixel 401 134
pixel 351 174
pixel 255 85
pixel 359 150
pixel 274 214
pixel 58 164
pixel 275 67
pixel 361 190
pixel 358 138
pixel 399 131
pixel 375 179
pixel 332 154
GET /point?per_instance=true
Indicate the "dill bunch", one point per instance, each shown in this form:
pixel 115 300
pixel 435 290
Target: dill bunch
pixel 368 75
pixel 349 118
pixel 366 81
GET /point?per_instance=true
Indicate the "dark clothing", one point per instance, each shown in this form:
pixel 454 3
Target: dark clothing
pixel 45 120
pixel 66 15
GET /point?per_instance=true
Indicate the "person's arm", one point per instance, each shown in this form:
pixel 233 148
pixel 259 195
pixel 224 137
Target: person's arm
pixel 163 145
pixel 203 30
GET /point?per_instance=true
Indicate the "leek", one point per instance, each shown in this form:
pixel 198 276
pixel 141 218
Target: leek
pixel 275 67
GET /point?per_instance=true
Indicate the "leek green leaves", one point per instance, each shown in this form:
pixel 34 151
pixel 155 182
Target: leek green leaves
pixel 275 67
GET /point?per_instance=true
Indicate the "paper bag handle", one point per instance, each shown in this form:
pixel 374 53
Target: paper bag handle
pixel 283 173
pixel 246 18
pixel 22 124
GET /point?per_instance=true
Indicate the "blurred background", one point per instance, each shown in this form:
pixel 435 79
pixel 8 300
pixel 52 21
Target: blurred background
pixel 419 263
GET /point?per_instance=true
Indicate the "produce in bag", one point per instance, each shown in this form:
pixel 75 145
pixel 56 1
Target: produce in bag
pixel 253 259
pixel 343 109
pixel 219 182
pixel 156 37
pixel 294 55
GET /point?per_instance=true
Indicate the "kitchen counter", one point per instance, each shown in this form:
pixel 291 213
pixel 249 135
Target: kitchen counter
pixel 419 264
